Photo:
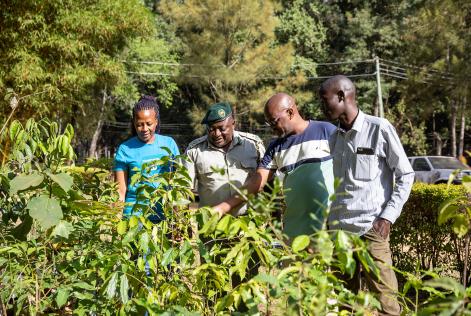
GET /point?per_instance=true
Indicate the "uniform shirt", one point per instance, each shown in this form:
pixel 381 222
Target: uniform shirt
pixel 306 165
pixel 130 157
pixel 376 174
pixel 235 166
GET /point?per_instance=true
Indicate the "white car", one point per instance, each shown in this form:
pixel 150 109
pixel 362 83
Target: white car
pixel 437 169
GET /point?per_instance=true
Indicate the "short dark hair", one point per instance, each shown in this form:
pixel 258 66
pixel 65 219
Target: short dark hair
pixel 146 102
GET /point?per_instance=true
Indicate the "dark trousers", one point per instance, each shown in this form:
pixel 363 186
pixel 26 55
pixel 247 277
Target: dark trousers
pixel 386 286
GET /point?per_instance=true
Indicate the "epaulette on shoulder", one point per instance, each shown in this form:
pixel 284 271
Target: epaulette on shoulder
pixel 250 136
pixel 197 141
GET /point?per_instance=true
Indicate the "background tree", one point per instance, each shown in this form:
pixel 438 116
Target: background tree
pixel 65 55
pixel 231 53
pixel 438 39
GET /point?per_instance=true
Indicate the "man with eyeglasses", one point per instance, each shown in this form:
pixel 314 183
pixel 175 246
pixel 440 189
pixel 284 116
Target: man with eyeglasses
pixel 301 155
pixel 220 162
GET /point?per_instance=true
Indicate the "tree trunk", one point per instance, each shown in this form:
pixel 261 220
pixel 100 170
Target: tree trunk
pixel 438 143
pixel 454 110
pixel 462 127
pixel 92 152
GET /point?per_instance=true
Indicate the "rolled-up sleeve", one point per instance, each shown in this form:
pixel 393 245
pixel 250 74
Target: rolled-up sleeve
pixel 397 161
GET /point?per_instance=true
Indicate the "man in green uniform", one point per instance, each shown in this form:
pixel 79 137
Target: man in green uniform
pixel 235 153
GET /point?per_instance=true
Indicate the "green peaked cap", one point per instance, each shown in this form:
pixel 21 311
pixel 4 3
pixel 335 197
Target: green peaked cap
pixel 217 112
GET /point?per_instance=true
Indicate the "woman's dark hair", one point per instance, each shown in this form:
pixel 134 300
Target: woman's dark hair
pixel 146 102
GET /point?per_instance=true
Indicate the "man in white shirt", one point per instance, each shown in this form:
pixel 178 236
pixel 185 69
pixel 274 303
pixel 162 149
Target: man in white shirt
pixel 376 181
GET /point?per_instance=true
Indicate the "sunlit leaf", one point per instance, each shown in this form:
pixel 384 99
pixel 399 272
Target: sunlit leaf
pixel 167 258
pixel 124 288
pixel 111 288
pixel 63 229
pixel 47 211
pixel 300 243
pixel 62 296
pixel 23 182
pixel 122 227
pixel 447 284
pixel 447 210
pixel 461 225
pixel 64 180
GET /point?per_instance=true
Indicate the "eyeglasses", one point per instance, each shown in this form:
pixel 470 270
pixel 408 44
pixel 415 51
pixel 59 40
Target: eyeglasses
pixel 274 121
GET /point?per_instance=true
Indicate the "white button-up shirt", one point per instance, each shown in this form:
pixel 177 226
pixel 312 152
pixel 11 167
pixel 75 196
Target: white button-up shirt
pixel 376 176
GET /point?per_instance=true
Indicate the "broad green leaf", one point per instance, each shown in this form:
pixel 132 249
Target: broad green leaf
pixel 122 227
pixel 64 180
pixel 461 225
pixel 111 288
pixel 266 278
pixel 19 137
pixel 23 182
pixel 447 210
pixel 167 257
pixel 15 128
pixel 342 241
pixel 133 221
pixel 124 288
pixel 233 252
pixel 347 263
pixel 130 236
pixel 47 211
pixel 69 131
pixel 144 242
pixel 286 271
pixel 85 286
pixel 447 284
pixel 210 225
pixel 300 243
pixel 141 264
pixel 62 296
pixel 325 246
pixel 63 229
pixel 223 224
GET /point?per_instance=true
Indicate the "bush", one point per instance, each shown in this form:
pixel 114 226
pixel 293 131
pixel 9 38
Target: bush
pixel 417 241
pixel 64 249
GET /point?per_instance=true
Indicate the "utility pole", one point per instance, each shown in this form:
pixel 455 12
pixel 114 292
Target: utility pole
pixel 378 84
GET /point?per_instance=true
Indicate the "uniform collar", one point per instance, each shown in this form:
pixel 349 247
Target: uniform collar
pixel 236 140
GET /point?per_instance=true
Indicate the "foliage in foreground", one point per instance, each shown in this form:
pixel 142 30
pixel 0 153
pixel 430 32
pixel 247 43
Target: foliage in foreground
pixel 65 249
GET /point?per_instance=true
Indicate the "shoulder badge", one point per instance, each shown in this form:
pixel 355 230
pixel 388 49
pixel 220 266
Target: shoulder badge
pixel 196 142
pixel 250 136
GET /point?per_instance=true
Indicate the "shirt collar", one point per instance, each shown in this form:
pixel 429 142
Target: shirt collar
pixel 236 140
pixel 358 124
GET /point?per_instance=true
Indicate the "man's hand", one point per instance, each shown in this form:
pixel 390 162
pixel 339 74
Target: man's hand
pixel 219 210
pixel 382 226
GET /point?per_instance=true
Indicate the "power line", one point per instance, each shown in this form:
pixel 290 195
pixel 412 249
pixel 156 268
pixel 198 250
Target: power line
pixel 403 71
pixel 160 74
pixel 416 67
pixel 174 64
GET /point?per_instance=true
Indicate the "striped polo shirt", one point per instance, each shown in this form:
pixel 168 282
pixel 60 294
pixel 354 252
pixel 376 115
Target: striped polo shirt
pixel 305 164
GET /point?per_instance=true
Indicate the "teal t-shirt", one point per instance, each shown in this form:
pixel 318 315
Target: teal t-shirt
pixel 130 157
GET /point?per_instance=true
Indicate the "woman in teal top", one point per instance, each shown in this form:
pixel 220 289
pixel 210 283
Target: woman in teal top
pixel 145 147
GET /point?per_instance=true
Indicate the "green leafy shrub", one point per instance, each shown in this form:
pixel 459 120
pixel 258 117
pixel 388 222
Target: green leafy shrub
pixel 418 242
pixel 64 248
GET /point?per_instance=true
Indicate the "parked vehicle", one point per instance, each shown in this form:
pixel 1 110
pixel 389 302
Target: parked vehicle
pixel 437 169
